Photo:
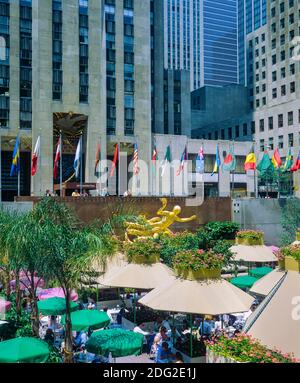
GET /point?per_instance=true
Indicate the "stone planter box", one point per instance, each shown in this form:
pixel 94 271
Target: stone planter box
pixel 292 264
pixel 200 274
pixel 249 242
pixel 142 259
pixel 298 236
pixel 211 357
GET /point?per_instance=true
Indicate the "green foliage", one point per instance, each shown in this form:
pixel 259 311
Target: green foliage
pixel 221 230
pixel 16 326
pixel 198 259
pixel 223 247
pixel 250 234
pixel 54 356
pixel 145 247
pixel 170 246
pixel 289 251
pixel 290 220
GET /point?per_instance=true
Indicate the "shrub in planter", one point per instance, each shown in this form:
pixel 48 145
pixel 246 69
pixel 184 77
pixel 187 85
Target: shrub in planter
pixel 243 348
pixel 289 251
pixel 170 246
pixel 197 260
pixel 221 230
pixel 250 237
pixel 143 251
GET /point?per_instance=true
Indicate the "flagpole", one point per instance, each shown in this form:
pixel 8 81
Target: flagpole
pixel 119 170
pixel 0 168
pixel 99 171
pixel 233 174
pixel 60 165
pixel 81 163
pixel 19 168
pixel 255 184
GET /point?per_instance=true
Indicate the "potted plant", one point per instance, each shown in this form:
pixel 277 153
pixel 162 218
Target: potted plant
pixel 250 238
pixel 198 264
pixel 290 255
pixel 141 251
pixel 244 349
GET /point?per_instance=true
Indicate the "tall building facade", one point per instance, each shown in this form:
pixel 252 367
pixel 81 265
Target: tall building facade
pixel 77 66
pixel 201 37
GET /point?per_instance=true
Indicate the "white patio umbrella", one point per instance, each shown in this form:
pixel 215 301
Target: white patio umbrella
pixel 276 321
pixel 266 284
pixel 260 253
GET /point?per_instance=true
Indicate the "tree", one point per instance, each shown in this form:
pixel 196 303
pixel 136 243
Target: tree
pixel 25 246
pixel 290 220
pixel 6 223
pixel 69 252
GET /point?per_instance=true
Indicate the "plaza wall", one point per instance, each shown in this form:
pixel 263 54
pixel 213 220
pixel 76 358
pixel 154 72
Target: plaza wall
pixel 103 208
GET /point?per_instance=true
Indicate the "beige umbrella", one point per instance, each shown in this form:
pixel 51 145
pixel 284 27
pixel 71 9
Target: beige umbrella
pixel 139 276
pixel 210 296
pixel 266 284
pixel 259 253
pixel 276 321
pixel 113 265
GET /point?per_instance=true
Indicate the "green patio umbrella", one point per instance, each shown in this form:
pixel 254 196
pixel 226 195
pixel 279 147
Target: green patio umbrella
pixel 244 282
pixel 88 319
pixel 55 306
pixel 118 342
pixel 260 271
pixel 24 350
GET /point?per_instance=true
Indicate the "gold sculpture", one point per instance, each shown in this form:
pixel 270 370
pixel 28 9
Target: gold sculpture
pixel 157 225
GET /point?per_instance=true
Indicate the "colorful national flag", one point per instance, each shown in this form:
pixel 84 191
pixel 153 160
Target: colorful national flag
pixel 57 159
pixel 288 162
pixel 154 155
pixel 276 159
pixel 35 157
pixel 265 164
pixel 136 168
pixel 77 159
pixel 184 158
pixel 217 162
pixel 250 163
pixel 115 161
pixel 229 164
pixel 296 165
pixel 15 166
pixel 200 161
pixel 166 161
pixel 97 161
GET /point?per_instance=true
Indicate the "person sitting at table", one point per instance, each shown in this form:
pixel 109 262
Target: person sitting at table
pixel 205 328
pixel 164 353
pixel 91 304
pixel 165 323
pixel 178 357
pixel 53 322
pixel 120 316
pixel 160 337
pixel 49 337
pixel 81 339
pixel 157 324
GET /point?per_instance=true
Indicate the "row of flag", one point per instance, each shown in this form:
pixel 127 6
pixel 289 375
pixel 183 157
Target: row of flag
pixel 229 163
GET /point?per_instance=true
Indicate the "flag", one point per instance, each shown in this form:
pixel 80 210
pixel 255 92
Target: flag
pixel 136 168
pixel 296 165
pixel 288 162
pixel 15 166
pixel 154 155
pixel 184 158
pixel 35 157
pixel 217 162
pixel 115 161
pixel 229 164
pixel 166 161
pixel 276 160
pixel 77 159
pixel 265 164
pixel 57 159
pixel 250 163
pixel 200 161
pixel 97 161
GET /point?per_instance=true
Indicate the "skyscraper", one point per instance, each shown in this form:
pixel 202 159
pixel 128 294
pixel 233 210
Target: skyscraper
pixel 201 36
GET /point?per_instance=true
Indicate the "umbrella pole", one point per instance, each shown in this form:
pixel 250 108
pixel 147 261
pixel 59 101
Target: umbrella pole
pixel 174 333
pixel 134 308
pixel 97 294
pixel 191 337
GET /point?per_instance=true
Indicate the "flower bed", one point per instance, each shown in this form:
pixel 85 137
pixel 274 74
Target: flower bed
pixel 289 257
pixel 196 260
pixel 244 349
pixel 142 251
pixel 250 238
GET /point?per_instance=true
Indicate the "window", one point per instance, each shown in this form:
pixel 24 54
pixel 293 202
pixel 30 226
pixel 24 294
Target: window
pixel 280 120
pixel 274 93
pixel 271 123
pixel 281 6
pixel 271 143
pixel 291 19
pixel 280 142
pixel 282 72
pixel 262 125
pixel 283 90
pixel 291 140
pixel 274 59
pixel 273 43
pixel 274 76
pixel 282 39
pixel 282 23
pixel 273 12
pixel 245 129
pixel 291 35
pixel 290 118
pixel 262 145
pixel 253 126
pixel 292 87
pixel 282 55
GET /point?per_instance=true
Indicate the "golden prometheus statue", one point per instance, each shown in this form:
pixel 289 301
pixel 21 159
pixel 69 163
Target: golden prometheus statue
pixel 157 225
